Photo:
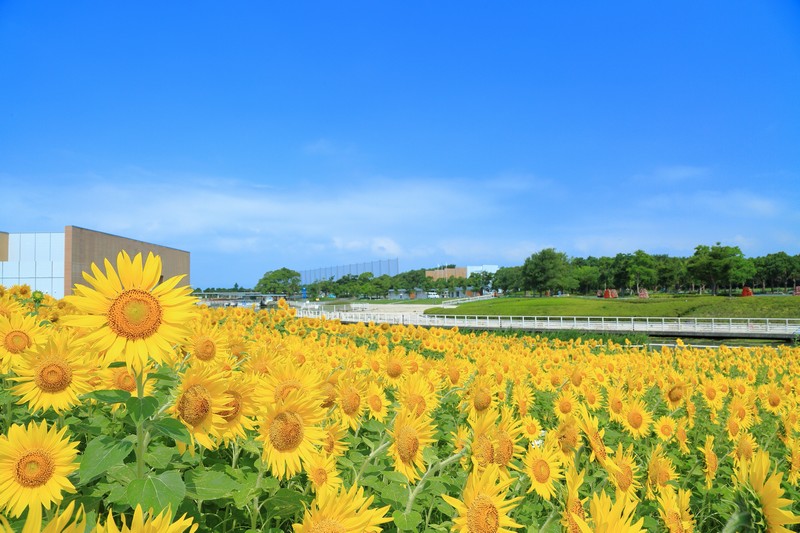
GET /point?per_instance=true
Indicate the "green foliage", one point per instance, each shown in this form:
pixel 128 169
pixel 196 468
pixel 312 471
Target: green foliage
pixel 281 281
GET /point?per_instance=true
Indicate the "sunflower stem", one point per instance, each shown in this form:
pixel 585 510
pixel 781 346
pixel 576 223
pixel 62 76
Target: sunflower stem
pixel 141 437
pixel 435 467
pixel 383 445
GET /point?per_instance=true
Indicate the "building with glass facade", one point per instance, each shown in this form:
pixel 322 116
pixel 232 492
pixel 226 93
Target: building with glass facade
pixel 54 262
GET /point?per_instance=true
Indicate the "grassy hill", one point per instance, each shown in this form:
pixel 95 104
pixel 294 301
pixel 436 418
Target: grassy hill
pixel 676 306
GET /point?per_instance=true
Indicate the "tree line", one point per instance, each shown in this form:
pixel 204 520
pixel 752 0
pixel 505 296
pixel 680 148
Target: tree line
pixel 710 269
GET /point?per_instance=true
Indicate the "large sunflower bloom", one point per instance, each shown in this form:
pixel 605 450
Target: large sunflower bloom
pixel 637 419
pixel 131 315
pixel 410 436
pixel 162 523
pixel 291 432
pixel 483 506
pixel 660 471
pixel 240 411
pixel 34 465
pixel 200 404
pixel 610 517
pixel 543 466
pixel 760 501
pixel 18 334
pixel 624 475
pixel 343 511
pixel 674 510
pixel 54 375
pixel 322 473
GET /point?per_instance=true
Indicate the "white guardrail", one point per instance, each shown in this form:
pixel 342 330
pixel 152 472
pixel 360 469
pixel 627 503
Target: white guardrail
pixel 778 328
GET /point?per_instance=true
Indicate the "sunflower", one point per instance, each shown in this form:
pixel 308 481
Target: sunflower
pixel 591 428
pixel 10 307
pixel 746 446
pixel 675 392
pixel 681 436
pixel 18 334
pixel 161 523
pixel 673 507
pixel 793 460
pixel 417 394
pixel 240 411
pixel 610 517
pixel 480 395
pixel 206 344
pixel 333 439
pixel 523 398
pixel 773 398
pixel 532 430
pixel 665 428
pixel 291 432
pixel 285 377
pixel 507 436
pixel 615 400
pixel 565 405
pixel 131 315
pixel 574 512
pixel 637 419
pixel 710 462
pixel 543 466
pixel 350 396
pixel 410 435
pixel 343 511
pixel 200 404
pixel 34 465
pixel 53 375
pixel 625 473
pixel 483 507
pixel 760 499
pixel 377 402
pixel 568 437
pixel 660 471
pixel 322 473
pixel 483 447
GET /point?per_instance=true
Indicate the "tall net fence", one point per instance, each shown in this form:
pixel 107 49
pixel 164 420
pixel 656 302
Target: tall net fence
pixel 378 268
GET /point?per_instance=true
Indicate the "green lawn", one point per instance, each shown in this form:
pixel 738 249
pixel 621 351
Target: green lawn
pixel 678 306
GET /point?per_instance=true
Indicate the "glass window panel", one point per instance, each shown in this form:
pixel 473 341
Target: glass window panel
pixel 58 288
pixel 57 247
pixel 42 247
pixel 27 247
pixel 27 269
pixel 44 269
pixel 13 246
pixel 58 268
pixel 11 269
pixel 43 284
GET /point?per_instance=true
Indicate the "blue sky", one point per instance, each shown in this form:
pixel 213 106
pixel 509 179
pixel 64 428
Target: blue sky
pixel 259 135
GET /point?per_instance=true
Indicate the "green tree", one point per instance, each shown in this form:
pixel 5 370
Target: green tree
pixel 719 265
pixel 587 277
pixel 641 270
pixel 281 281
pixel 508 279
pixel 547 270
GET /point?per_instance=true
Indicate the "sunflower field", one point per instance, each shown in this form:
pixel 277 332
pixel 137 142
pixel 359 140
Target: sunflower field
pixel 126 407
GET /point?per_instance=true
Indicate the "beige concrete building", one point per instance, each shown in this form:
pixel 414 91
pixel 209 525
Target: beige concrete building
pixel 53 262
pixel 447 273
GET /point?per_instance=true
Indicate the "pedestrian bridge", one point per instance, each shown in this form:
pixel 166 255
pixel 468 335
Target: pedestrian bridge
pixel 744 328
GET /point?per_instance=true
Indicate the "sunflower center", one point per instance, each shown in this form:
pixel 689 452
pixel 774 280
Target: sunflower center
pixel 541 471
pixel 328 526
pixel 318 476
pixel 286 431
pixel 482 400
pixel 635 419
pixel 34 469
pixel 135 314
pixel 330 443
pixel 483 516
pixel 351 401
pixel 774 399
pixel 375 403
pixel 454 375
pixel 505 449
pixel 205 349
pixel 666 430
pixel 745 450
pixel 233 407
pixel 194 405
pixel 565 406
pixel 394 369
pixel 597 445
pixel 675 394
pixel 407 444
pixel 711 393
pixel 124 380
pixel 624 477
pixel 417 403
pixel 17 341
pixel 616 405
pixel 733 427
pixel 53 375
pixel 484 450
pixel 286 387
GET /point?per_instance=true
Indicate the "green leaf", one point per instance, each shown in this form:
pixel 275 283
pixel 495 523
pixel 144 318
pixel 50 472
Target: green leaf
pixel 139 409
pixel 285 504
pixel 395 494
pixel 397 477
pixel 172 428
pixel 101 454
pixel 108 396
pixel 157 492
pixel 406 521
pixel 209 485
pixel 160 456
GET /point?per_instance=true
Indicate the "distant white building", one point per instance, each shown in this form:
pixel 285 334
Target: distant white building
pixel 491 269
